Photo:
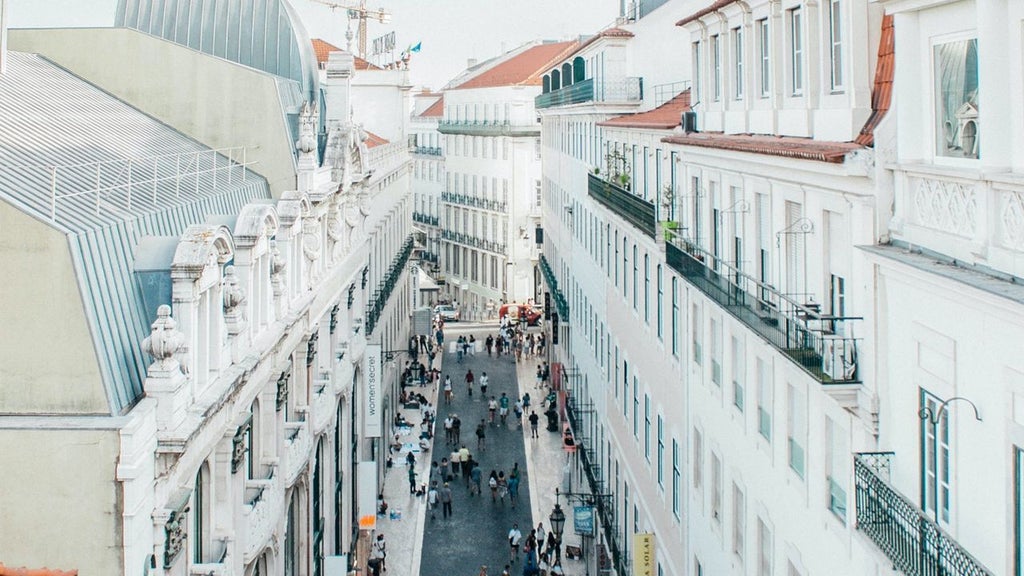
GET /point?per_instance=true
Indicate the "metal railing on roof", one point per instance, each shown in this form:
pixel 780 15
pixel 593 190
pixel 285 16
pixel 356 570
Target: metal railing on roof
pixel 124 178
pixel 665 92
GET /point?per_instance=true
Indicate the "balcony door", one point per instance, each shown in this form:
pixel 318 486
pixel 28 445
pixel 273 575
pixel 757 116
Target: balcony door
pixel 936 460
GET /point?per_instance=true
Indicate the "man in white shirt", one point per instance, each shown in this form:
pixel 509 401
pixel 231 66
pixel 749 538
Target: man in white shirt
pixel 514 537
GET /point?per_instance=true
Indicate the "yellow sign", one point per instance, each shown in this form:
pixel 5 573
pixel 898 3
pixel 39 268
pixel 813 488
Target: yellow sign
pixel 643 554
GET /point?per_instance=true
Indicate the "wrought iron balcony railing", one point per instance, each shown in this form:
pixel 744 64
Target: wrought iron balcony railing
pixel 473 241
pixel 628 90
pixel 818 343
pixel 632 208
pixel 387 286
pixel 915 544
pixel 549 276
pixel 427 150
pixel 424 218
pixel 474 201
pixel 487 128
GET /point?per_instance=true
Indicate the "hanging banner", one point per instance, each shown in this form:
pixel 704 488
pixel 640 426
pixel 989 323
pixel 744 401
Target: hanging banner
pixel 366 489
pixel 373 403
pixel 643 554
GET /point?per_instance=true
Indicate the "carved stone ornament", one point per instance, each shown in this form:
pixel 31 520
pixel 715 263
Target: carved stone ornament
pixel 234 295
pixel 277 267
pixel 282 390
pixel 351 296
pixel 306 144
pixel 311 348
pixel 174 536
pixel 311 243
pixel 165 343
pixel 238 447
pixel 334 318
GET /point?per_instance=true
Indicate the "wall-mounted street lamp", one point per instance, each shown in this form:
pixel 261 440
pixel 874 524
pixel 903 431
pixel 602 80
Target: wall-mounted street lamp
pixel 934 417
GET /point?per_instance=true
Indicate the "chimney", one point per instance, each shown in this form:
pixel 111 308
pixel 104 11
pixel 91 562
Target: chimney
pixel 3 36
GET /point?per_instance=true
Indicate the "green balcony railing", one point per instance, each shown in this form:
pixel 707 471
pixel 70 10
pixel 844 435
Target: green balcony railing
pixel 487 128
pixel 622 91
pixel 387 286
pixel 474 201
pixel 914 543
pixel 549 276
pixel 427 150
pixel 473 241
pixel 816 342
pixel 422 218
pixel 632 208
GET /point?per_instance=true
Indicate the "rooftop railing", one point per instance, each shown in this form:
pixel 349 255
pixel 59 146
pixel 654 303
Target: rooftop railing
pixel 632 208
pixel 821 344
pixel 628 90
pixel 915 544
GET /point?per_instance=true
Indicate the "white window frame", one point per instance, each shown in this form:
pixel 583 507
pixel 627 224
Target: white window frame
pixel 835 29
pixel 737 62
pixel 716 68
pixel 796 51
pixel 764 47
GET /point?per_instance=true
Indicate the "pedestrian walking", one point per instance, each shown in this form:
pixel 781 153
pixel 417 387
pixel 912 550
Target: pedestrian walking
pixel 448 429
pixel 492 483
pixel 469 382
pixel 492 407
pixel 540 534
pixel 540 376
pixel 503 408
pixel 489 345
pixel 465 461
pixel 456 429
pixel 472 345
pixel 534 421
pixel 502 486
pixel 481 436
pixel 432 498
pixel 513 490
pixel 483 385
pixel 514 538
pixel 476 475
pixel 518 409
pixel 412 480
pixel 446 501
pixel 446 472
pixel 448 389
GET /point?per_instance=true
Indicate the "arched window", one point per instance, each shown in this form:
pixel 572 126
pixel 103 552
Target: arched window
pixel 318 496
pixel 546 83
pixel 291 537
pixel 201 515
pixel 579 70
pixel 556 80
pixel 567 74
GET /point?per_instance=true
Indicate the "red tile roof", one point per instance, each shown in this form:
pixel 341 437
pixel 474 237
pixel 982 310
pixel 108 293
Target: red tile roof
pixel 881 95
pixel 434 110
pixel 607 33
pixel 525 68
pixel 785 146
pixel 323 50
pixel 664 117
pixel 715 6
pixel 6 571
pixel 372 140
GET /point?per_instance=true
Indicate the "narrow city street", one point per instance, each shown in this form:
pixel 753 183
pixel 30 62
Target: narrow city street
pixel 477 532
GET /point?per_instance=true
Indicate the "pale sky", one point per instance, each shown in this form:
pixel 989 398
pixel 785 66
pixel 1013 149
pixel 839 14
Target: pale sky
pixel 451 31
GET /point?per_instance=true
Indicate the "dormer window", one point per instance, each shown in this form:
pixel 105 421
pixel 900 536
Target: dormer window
pixel 956 102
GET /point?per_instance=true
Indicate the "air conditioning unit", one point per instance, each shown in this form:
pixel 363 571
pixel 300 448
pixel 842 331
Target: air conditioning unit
pixel 689 121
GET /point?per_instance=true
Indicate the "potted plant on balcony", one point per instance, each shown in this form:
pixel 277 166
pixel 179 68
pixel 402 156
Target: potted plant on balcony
pixel 623 180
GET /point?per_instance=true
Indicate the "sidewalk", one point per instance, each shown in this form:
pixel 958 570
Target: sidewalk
pixel 403 526
pixel 547 463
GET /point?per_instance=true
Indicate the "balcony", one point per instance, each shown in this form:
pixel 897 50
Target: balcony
pixel 630 207
pixel 549 276
pixel 473 241
pixel 487 128
pixel 474 201
pixel 387 286
pixel 422 218
pixel 913 542
pixel 815 342
pixel 625 91
pixel 427 151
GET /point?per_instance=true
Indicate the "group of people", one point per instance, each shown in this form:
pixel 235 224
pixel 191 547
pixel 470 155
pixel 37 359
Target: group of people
pixel 514 341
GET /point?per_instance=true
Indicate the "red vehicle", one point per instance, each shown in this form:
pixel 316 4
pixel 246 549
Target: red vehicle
pixel 515 311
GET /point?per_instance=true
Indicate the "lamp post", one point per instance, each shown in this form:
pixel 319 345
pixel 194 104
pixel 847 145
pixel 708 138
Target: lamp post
pixel 557 521
pixel 934 417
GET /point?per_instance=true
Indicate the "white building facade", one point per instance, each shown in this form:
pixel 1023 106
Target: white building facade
pixel 210 403
pixel 428 175
pixel 721 343
pixel 491 196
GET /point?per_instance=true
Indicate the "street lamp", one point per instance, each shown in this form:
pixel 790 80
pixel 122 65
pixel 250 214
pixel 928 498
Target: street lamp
pixel 557 521
pixel 934 417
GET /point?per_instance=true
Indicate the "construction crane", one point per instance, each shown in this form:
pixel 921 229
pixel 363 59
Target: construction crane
pixel 361 13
